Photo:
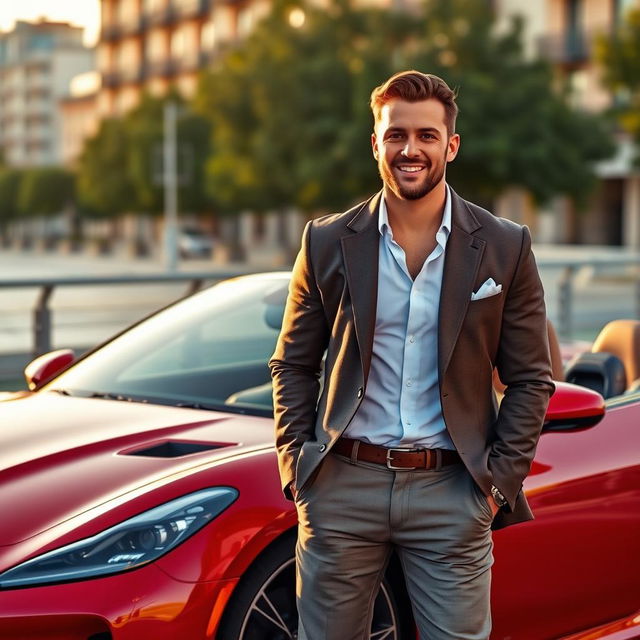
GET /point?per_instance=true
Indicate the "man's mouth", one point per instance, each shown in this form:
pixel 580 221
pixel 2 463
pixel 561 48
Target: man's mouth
pixel 410 168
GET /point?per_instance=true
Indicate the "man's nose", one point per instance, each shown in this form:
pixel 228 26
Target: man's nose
pixel 410 149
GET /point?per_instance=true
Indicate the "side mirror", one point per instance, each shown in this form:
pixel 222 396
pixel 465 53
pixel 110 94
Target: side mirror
pixel 45 367
pixel 573 408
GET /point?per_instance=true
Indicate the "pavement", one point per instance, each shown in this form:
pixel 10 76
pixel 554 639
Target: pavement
pixel 85 316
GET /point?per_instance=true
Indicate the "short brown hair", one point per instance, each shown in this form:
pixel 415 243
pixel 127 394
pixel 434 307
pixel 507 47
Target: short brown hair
pixel 414 86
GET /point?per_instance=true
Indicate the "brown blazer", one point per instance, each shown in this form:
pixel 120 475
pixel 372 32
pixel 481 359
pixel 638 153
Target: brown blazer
pixel 332 306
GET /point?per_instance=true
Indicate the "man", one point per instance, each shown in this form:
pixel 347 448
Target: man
pixel 416 295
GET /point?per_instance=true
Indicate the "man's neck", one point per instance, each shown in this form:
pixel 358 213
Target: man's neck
pixel 416 215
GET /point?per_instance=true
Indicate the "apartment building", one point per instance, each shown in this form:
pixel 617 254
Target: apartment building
pixel 149 45
pixel 613 214
pixel 37 62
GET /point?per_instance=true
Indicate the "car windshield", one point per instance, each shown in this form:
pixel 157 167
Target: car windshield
pixel 210 350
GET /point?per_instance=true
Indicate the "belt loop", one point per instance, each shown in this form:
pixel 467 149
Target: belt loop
pixel 438 459
pixel 428 459
pixel 354 451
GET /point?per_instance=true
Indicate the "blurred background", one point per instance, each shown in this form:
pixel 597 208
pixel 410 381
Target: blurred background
pixel 194 138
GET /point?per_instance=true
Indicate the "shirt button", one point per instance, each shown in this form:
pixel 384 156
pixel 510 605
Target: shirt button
pixel 322 447
pixel 409 383
pixel 360 392
pixel 412 339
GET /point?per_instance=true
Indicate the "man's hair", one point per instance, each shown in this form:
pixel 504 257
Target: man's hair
pixel 414 86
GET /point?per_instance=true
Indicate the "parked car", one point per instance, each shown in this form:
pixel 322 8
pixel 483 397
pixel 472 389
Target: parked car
pixel 194 243
pixel 140 495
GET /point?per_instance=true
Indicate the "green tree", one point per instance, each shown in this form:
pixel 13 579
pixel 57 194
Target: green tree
pixel 619 55
pixel 105 187
pixel 45 191
pixel 9 187
pixel 516 130
pixel 291 122
pixel 145 129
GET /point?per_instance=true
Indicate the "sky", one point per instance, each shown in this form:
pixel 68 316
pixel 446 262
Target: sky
pixel 82 13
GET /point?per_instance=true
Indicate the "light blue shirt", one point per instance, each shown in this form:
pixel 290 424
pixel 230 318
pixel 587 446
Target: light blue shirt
pixel 401 405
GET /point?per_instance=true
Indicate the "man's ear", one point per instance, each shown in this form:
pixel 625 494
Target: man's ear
pixel 374 145
pixel 453 147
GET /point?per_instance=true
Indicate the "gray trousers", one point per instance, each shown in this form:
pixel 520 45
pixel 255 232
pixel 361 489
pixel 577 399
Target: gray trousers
pixel 352 515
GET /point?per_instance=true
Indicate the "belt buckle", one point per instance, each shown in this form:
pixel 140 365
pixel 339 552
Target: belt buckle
pixel 390 460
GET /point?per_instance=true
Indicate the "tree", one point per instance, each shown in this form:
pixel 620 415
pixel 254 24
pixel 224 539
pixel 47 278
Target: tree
pixel 291 122
pixel 619 56
pixel 104 185
pixel 45 191
pixel 9 188
pixel 516 131
pixel 145 128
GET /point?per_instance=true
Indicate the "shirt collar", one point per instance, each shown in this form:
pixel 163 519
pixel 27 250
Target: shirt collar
pixel 443 231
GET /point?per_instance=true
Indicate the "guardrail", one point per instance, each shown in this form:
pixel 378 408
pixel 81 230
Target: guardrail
pixel 570 270
pixel 42 313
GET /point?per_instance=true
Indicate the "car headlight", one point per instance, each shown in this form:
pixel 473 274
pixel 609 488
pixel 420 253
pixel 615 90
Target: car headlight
pixel 130 544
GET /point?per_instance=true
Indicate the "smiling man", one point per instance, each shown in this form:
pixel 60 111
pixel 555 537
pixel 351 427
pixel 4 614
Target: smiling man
pixel 416 295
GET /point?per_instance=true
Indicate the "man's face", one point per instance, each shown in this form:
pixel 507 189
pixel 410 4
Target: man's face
pixel 412 147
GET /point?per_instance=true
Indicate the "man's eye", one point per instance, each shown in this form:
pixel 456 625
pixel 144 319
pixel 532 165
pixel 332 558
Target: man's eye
pixel 394 136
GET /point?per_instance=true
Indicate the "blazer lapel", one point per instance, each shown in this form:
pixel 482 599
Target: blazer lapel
pixel 360 252
pixel 462 260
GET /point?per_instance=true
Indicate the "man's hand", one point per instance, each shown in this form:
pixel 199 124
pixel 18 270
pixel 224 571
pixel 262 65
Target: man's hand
pixel 493 506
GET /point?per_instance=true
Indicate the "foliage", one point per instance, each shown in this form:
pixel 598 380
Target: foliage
pixel 104 185
pixel 45 191
pixel 121 166
pixel 145 126
pixel 515 130
pixel 289 118
pixel 619 55
pixel 291 122
pixel 9 187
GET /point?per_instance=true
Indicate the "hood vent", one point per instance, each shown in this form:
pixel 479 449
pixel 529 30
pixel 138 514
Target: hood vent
pixel 173 449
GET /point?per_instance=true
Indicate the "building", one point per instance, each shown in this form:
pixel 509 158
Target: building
pixel 79 111
pixel 149 45
pixel 612 216
pixel 37 62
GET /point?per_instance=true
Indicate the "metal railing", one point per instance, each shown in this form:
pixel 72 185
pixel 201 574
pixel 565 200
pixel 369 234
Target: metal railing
pixel 42 312
pixel 563 298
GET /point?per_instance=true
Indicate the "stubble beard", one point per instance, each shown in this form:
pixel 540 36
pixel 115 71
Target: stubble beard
pixel 415 192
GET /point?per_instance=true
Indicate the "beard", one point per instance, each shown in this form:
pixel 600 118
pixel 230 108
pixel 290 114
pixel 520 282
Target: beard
pixel 433 176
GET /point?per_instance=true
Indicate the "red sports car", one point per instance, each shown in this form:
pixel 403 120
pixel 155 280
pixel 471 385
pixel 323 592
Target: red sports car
pixel 140 497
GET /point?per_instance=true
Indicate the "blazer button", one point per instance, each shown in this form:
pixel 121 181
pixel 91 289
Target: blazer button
pixel 360 392
pixel 322 447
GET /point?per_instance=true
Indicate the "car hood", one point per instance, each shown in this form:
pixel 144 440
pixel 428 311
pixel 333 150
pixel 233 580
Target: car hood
pixel 61 456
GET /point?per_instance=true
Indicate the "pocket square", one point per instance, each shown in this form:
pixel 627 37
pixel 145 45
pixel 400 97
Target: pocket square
pixel 488 289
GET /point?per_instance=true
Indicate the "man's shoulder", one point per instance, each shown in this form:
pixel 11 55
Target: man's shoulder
pixel 493 223
pixel 338 222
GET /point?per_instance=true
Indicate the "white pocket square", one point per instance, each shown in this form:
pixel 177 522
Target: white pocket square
pixel 488 289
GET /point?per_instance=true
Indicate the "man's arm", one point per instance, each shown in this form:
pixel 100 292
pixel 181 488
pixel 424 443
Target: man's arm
pixel 296 364
pixel 524 366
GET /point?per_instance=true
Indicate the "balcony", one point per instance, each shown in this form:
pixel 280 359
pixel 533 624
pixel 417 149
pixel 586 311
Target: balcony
pixel 161 17
pixel 571 48
pixel 162 68
pixel 110 32
pixel 133 26
pixel 111 79
pixel 191 8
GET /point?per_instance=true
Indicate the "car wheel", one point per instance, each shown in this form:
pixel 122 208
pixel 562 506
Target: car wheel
pixel 264 604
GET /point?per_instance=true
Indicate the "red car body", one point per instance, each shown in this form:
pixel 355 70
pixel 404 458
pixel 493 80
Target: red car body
pixel 70 471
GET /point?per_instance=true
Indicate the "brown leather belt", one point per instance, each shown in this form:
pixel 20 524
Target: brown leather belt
pixel 394 458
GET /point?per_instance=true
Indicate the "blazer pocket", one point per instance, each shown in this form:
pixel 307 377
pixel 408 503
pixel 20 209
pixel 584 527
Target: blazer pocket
pixel 495 298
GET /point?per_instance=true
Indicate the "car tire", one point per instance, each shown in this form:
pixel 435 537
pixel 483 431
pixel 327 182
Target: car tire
pixel 263 605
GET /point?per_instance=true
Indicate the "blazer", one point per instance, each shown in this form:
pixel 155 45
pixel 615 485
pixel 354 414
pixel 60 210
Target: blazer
pixel 332 307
